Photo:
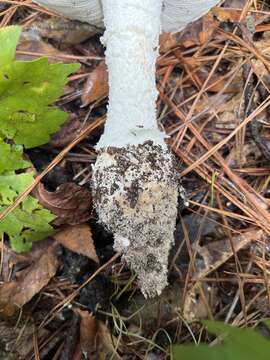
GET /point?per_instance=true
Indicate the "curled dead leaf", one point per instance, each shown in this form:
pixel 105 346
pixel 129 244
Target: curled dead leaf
pixel 78 239
pixel 70 203
pixel 96 86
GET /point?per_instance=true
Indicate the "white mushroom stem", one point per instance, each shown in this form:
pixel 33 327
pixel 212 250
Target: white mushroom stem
pixel 135 185
pixel 131 39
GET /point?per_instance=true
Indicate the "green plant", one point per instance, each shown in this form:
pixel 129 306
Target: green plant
pixel 27 118
pixel 237 344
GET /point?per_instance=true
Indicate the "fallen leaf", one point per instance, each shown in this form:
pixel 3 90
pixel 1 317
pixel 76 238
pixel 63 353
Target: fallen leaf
pixel 95 338
pixel 225 15
pixel 36 277
pixel 167 41
pixel 17 293
pixel 65 30
pixel 186 38
pixel 88 332
pixel 70 203
pixel 194 34
pixel 31 44
pixel 96 86
pixel 78 239
pixel 7 306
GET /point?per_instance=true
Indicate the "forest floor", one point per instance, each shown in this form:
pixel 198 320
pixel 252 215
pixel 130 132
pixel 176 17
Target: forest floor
pixel 77 298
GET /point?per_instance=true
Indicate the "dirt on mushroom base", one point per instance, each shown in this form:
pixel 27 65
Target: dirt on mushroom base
pixel 136 190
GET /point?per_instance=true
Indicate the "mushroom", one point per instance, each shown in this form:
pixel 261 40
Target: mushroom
pixel 135 182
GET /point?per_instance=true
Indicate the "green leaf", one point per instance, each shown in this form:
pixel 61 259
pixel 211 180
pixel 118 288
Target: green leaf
pixel 27 223
pixel 239 344
pixel 11 157
pixel 266 322
pixel 27 117
pixel 9 37
pixel 27 91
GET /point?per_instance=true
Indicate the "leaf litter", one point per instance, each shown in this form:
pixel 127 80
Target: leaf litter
pixel 70 203
pixel 220 271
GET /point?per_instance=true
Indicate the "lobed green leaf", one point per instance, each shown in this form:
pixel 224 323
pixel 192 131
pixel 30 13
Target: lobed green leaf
pixel 27 91
pixel 27 118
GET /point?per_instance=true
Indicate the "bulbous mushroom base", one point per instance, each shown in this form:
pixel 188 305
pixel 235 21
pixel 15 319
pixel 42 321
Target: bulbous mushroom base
pixel 135 191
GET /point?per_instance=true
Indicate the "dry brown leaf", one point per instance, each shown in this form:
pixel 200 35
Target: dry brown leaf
pixel 88 332
pixel 17 293
pixel 96 86
pixel 78 239
pixel 95 338
pixel 167 41
pixel 64 30
pixel 70 203
pixel 210 22
pixel 36 277
pixel 187 38
pixel 217 253
pixel 7 307
pixel 194 34
pixel 258 66
pixel 32 45
pixel 225 15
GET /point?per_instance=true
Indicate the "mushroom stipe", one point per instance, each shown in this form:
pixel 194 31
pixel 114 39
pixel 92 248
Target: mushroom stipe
pixel 135 183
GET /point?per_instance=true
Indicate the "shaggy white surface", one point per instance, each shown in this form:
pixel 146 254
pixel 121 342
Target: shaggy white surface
pixel 131 39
